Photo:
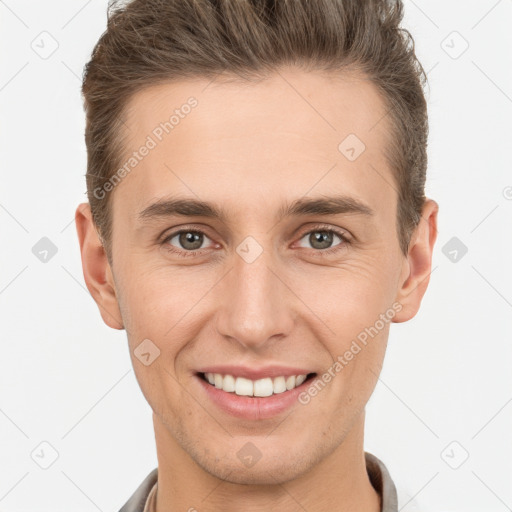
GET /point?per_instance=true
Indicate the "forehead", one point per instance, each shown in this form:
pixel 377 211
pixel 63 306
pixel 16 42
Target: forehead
pixel 288 134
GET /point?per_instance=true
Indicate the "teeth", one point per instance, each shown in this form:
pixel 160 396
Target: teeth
pixel 228 383
pixel 299 379
pixel 243 386
pixel 290 382
pixel 279 384
pixel 261 387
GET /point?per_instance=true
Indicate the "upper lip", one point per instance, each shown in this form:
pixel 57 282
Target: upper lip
pixel 255 373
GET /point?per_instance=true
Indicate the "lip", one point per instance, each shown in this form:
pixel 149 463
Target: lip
pixel 252 408
pixel 255 373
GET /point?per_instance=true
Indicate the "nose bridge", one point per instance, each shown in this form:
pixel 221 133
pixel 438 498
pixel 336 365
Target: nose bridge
pixel 254 305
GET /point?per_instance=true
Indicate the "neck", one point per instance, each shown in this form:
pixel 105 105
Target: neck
pixel 338 482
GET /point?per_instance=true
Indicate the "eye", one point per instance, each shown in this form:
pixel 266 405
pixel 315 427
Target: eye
pixel 189 242
pixel 322 239
pixel 185 242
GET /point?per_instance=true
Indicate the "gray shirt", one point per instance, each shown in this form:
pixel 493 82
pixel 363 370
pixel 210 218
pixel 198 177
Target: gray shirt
pixel 142 498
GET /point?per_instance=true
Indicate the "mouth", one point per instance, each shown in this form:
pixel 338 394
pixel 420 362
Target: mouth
pixel 259 388
pixel 253 393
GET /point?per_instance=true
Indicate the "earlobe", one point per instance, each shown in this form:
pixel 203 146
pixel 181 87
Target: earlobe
pixel 97 273
pixel 418 267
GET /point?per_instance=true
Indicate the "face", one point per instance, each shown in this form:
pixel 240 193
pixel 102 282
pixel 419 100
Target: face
pixel 286 261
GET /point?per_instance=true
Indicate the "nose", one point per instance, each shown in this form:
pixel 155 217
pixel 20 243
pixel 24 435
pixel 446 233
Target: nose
pixel 255 307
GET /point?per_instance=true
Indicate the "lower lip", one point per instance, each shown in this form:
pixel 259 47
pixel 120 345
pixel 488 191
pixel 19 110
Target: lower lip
pixel 252 408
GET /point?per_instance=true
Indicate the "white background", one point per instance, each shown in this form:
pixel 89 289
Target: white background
pixel 65 378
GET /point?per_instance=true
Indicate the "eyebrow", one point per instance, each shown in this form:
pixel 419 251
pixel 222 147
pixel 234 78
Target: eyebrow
pixel 323 205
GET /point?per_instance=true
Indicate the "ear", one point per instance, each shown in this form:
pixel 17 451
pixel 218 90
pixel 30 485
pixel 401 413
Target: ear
pixel 96 268
pixel 417 266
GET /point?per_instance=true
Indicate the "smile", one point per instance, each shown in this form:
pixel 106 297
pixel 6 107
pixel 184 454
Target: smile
pixel 267 386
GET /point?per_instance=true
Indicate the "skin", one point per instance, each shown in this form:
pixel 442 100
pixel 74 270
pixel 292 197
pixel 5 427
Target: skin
pixel 250 148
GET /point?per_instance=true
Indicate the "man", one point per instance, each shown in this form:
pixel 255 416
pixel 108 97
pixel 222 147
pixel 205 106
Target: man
pixel 256 221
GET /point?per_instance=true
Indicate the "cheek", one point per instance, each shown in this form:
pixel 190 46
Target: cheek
pixel 165 307
pixel 155 300
pixel 353 310
pixel 347 298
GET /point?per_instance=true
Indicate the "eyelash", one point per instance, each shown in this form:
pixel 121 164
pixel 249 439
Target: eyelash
pixel 320 252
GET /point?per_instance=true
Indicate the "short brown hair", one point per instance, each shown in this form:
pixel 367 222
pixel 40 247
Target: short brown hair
pixel 154 41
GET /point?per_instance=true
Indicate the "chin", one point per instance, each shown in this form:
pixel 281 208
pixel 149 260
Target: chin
pixel 276 463
pixel 264 472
